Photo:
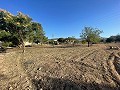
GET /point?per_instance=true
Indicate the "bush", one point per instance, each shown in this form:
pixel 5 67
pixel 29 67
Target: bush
pixel 2 50
pixel 84 42
pixel 7 44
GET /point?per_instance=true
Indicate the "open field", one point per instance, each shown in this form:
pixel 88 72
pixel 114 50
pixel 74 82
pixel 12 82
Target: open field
pixel 73 68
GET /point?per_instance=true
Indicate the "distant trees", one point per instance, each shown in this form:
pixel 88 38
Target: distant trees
pixel 19 29
pixel 113 39
pixel 117 38
pixel 71 40
pixel 91 35
pixel 61 40
pixel 68 40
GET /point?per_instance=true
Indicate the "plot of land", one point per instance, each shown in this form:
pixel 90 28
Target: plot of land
pixel 73 68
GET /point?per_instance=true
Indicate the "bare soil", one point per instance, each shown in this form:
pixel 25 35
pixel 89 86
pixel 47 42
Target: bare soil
pixel 73 68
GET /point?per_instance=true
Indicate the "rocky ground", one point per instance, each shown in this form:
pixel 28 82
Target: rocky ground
pixel 72 68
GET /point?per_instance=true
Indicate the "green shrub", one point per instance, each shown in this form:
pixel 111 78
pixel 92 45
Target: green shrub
pixel 7 44
pixel 83 42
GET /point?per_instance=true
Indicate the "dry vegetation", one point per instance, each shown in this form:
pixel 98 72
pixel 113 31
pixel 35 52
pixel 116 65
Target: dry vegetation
pixel 73 68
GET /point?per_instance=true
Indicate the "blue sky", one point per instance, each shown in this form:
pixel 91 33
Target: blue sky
pixel 65 18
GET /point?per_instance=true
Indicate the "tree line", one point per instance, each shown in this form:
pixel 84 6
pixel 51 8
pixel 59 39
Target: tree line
pixel 88 35
pixel 115 39
pixel 15 30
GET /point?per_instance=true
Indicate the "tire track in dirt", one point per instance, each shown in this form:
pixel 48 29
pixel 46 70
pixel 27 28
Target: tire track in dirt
pixel 94 62
pixel 80 55
pixel 82 61
pixel 112 69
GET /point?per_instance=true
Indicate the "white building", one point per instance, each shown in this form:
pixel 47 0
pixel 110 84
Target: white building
pixel 27 43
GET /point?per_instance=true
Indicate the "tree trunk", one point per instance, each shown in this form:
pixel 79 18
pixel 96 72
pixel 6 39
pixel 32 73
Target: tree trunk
pixel 23 46
pixel 22 41
pixel 88 44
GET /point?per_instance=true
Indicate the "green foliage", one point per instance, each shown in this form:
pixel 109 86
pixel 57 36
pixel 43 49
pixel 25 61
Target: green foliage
pixel 39 34
pixel 117 38
pixel 61 40
pixel 23 27
pixel 109 40
pixel 91 35
pixel 7 44
pixel 113 39
pixel 45 39
pixel 71 40
pixel 20 28
pixel 83 41
pixel 76 41
pixel 4 34
pixel 52 42
pixel 15 41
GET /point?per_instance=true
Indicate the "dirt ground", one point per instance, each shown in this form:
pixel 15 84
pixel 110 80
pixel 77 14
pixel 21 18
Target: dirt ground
pixel 72 68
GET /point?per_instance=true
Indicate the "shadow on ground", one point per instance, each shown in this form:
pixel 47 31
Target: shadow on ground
pixel 48 83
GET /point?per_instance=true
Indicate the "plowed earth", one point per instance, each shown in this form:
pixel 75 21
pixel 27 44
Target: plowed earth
pixel 74 68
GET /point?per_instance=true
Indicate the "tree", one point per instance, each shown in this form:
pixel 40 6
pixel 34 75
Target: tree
pixel 21 28
pixel 109 40
pixel 4 36
pixel 113 39
pixel 70 40
pixel 61 40
pixel 6 26
pixel 91 35
pixel 39 34
pixel 117 38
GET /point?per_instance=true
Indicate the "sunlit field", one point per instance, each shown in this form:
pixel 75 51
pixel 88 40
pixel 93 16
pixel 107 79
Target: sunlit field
pixel 72 68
